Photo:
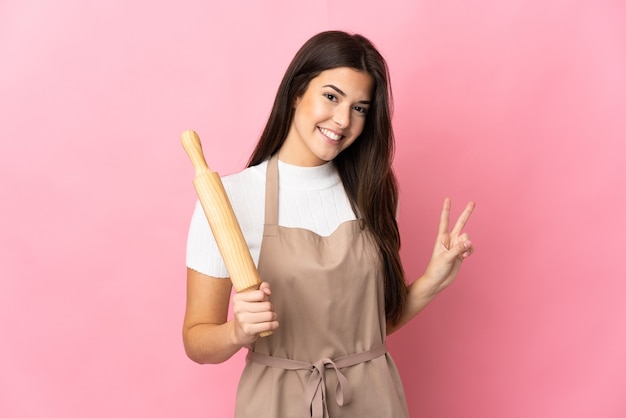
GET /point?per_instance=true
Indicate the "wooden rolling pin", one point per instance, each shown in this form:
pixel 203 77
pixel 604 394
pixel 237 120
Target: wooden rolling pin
pixel 222 220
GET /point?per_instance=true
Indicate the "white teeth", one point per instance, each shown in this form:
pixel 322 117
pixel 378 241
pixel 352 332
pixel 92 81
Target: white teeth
pixel 330 135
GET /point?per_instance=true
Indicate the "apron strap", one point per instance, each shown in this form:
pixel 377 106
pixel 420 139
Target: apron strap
pixel 271 191
pixel 315 390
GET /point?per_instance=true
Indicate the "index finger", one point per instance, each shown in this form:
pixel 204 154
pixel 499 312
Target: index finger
pixel 460 223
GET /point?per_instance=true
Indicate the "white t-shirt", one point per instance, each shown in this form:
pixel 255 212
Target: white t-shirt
pixel 309 197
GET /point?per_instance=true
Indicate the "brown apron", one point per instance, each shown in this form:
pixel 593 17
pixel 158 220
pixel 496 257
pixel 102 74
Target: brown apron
pixel 328 357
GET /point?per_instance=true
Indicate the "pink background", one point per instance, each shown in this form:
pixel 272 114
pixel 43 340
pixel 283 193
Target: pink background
pixel 519 105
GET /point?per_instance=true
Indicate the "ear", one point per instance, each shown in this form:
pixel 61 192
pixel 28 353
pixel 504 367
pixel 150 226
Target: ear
pixel 296 101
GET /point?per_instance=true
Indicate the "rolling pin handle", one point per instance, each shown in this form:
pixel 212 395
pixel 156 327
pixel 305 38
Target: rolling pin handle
pixel 193 148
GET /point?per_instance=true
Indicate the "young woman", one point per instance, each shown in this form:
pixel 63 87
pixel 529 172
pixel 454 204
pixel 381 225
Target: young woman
pixel 317 205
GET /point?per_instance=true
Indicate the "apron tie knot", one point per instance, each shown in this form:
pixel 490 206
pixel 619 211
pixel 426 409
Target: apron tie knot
pixel 315 390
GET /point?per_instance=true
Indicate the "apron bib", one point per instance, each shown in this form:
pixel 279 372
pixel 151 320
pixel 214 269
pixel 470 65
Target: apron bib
pixel 327 358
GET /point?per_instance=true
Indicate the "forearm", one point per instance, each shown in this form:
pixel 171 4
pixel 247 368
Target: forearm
pixel 208 335
pixel 210 343
pixel 420 294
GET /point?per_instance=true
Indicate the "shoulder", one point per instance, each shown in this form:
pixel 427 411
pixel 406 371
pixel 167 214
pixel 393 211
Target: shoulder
pixel 246 190
pixel 245 181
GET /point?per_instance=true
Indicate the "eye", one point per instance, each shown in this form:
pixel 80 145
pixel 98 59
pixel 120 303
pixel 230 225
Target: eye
pixel 361 109
pixel 330 97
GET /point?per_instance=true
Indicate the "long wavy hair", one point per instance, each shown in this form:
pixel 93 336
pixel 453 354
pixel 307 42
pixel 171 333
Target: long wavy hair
pixel 365 167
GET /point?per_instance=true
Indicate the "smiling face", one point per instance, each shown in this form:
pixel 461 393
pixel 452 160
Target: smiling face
pixel 328 117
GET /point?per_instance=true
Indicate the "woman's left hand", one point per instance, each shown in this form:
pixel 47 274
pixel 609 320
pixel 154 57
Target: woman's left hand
pixel 451 248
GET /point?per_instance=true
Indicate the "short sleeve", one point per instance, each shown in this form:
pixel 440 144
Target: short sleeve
pixel 203 254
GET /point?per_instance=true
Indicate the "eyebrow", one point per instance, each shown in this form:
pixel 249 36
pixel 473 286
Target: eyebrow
pixel 338 90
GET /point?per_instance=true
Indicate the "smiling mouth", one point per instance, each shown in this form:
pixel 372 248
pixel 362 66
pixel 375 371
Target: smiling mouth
pixel 330 134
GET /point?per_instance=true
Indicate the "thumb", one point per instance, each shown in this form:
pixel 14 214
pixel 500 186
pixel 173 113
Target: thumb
pixel 265 288
pixel 461 250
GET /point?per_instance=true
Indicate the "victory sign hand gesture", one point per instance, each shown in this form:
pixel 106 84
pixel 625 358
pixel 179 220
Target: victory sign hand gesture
pixel 451 248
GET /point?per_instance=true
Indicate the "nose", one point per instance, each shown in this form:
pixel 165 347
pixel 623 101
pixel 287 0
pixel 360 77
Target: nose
pixel 342 116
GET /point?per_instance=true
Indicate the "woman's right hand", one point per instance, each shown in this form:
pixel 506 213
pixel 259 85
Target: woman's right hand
pixel 253 314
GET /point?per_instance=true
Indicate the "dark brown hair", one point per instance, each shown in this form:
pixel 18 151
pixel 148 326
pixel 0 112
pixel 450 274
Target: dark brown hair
pixel 365 166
